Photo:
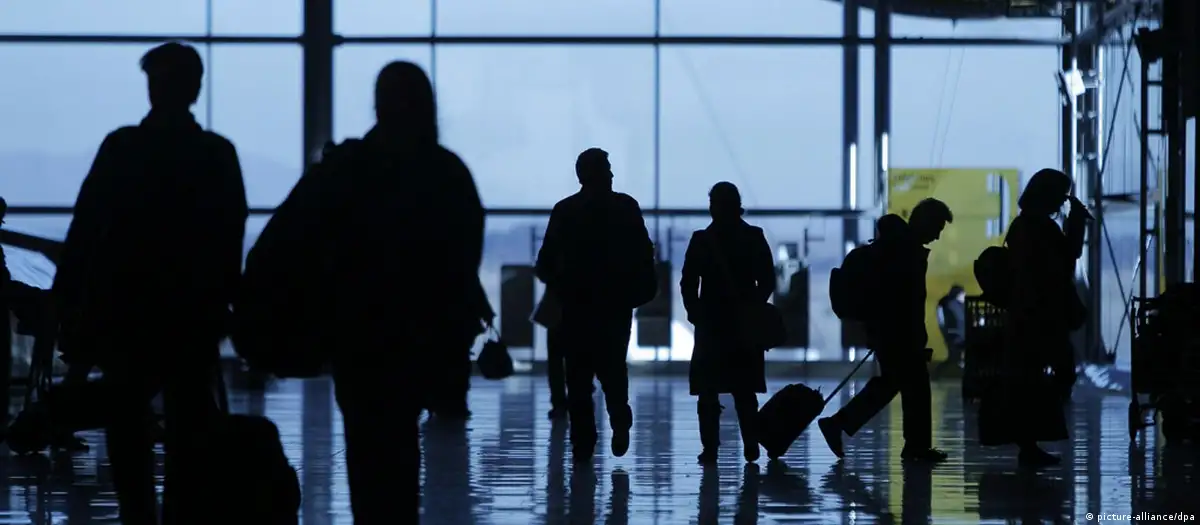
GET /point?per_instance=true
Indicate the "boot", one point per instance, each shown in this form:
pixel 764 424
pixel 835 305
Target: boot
pixel 709 416
pixel 748 424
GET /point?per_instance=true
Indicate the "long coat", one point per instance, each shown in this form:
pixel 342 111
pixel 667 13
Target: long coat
pixel 727 265
pixel 1027 405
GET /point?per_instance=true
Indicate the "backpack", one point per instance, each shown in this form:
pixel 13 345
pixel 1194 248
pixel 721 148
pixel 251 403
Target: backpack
pixel 280 317
pixel 993 273
pixel 853 286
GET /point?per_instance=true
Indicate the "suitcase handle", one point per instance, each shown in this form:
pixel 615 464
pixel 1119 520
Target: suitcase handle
pixel 841 385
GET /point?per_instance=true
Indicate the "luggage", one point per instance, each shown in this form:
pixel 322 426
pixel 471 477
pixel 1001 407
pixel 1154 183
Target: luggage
pixel 993 272
pixel 791 410
pixel 495 363
pixel 852 286
pixel 281 318
pixel 265 488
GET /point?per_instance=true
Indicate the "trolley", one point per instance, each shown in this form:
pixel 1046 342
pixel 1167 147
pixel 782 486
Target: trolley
pixel 984 347
pixel 1165 346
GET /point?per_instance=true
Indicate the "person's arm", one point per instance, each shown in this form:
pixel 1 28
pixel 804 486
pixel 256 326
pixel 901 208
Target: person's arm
pixel 473 227
pixel 763 263
pixel 232 237
pixel 644 244
pixel 92 214
pixel 689 280
pixel 549 258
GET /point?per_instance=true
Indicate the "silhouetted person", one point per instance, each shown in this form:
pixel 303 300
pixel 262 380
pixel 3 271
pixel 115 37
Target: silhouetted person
pixel 150 266
pixel 896 332
pixel 6 332
pixel 952 320
pixel 595 244
pixel 407 272
pixel 5 276
pixel 453 364
pixel 556 372
pixel 728 266
pixel 1044 309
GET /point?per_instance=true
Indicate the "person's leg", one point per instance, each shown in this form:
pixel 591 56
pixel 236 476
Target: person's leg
pixel 457 368
pixel 874 396
pixel 915 400
pixel 382 445
pixel 130 445
pixel 746 404
pixel 556 373
pixel 191 413
pixel 580 372
pixel 708 414
pixel 613 373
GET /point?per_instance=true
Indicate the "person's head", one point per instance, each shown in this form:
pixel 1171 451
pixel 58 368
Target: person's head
pixel 593 169
pixel 928 219
pixel 889 227
pixel 405 103
pixel 174 74
pixel 3 209
pixel 958 293
pixel 725 202
pixel 1045 193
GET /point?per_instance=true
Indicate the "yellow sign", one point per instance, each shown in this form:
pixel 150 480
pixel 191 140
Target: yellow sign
pixel 984 202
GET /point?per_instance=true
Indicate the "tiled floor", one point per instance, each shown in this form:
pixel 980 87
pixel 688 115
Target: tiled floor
pixel 511 466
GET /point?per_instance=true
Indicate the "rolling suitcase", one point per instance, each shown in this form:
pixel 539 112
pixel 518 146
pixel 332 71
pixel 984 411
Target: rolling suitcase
pixel 791 410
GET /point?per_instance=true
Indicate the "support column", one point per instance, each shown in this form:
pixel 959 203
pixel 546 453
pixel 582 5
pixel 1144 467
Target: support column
pixel 883 97
pixel 850 93
pixel 1090 176
pixel 1070 23
pixel 318 42
pixel 1174 242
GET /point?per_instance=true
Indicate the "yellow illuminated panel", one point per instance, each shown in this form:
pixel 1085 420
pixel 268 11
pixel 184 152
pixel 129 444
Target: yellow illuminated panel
pixel 983 201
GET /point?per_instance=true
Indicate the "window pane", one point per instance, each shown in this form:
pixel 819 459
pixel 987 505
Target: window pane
pixel 765 118
pixel 56 117
pixel 257 93
pixel 260 17
pixel 254 92
pixel 354 70
pixel 823 253
pixel 920 26
pixel 176 17
pixel 751 17
pixel 131 17
pixel 382 17
pixel 519 115
pixel 975 107
pixel 545 17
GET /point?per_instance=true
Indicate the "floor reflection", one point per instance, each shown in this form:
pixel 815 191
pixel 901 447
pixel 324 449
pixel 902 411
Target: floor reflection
pixel 511 465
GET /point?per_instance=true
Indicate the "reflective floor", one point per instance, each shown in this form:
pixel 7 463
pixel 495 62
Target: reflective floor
pixel 511 466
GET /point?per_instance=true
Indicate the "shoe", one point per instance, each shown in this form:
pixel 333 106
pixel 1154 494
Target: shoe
pixel 833 435
pixel 1037 458
pixel 620 433
pixel 929 455
pixel 708 457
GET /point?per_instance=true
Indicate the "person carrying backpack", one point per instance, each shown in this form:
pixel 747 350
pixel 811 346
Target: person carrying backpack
pixel 889 298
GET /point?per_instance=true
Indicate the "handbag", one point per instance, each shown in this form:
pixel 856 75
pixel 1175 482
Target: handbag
pixel 494 361
pixel 759 324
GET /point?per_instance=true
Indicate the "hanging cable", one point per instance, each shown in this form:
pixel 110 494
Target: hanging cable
pixel 937 118
pixel 953 98
pixel 710 112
